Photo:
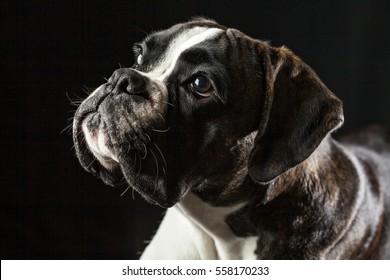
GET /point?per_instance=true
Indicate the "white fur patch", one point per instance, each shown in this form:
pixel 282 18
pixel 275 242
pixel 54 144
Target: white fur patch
pixel 181 43
pixel 96 144
pixel 192 229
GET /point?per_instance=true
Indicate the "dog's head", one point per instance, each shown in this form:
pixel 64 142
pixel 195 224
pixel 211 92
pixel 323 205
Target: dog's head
pixel 173 119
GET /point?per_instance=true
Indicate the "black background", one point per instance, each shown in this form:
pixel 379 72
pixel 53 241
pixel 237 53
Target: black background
pixel 50 207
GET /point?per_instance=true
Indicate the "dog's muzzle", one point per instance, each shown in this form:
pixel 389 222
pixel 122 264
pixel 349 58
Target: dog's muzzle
pixel 113 132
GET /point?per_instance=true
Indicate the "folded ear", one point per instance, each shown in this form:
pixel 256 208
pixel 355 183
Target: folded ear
pixel 298 112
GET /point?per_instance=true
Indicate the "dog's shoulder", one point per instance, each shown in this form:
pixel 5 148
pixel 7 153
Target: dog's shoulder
pixel 374 137
pixel 371 146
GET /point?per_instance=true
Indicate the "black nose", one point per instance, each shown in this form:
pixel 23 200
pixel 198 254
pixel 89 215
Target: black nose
pixel 127 80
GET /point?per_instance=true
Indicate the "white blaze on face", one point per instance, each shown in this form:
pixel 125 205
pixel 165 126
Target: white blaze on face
pixel 168 60
pixel 181 43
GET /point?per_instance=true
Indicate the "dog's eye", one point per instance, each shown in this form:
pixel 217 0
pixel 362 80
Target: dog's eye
pixel 139 59
pixel 201 86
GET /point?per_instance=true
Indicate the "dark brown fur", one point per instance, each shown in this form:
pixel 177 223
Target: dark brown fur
pixel 335 203
pixel 263 138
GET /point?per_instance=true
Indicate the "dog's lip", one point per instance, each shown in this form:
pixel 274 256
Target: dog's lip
pixel 96 145
pixel 87 159
pixel 82 151
pixel 88 107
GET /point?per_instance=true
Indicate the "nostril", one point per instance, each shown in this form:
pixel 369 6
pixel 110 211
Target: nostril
pixel 137 84
pixel 127 81
pixel 122 85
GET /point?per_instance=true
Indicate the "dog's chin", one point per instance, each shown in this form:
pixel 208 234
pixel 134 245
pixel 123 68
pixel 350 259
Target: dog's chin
pixel 155 190
pixel 150 186
pixel 123 168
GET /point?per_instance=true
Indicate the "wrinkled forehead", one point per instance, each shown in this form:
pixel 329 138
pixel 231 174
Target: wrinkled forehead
pixel 163 49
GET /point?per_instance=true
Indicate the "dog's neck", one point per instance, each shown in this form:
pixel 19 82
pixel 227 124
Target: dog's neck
pixel 306 179
pixel 276 212
pixel 312 179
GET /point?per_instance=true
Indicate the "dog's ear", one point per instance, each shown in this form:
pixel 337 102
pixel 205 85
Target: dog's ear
pixel 297 112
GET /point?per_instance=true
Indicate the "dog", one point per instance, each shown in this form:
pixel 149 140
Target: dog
pixel 233 136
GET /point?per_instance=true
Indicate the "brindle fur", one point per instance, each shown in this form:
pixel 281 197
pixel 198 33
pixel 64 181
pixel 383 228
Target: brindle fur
pixel 266 142
pixel 320 209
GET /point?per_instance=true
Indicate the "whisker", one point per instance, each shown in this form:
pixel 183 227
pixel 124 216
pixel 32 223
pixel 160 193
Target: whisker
pixel 67 95
pixel 139 29
pixel 168 103
pixel 161 116
pixel 92 162
pixel 128 187
pixel 135 161
pixel 132 193
pixel 146 150
pixel 140 167
pixel 128 148
pixel 162 156
pixel 69 98
pixel 156 161
pixel 67 128
pixel 159 130
pixel 74 101
pixel 165 174
pixel 150 139
pixel 82 141
pixel 128 144
pixel 87 90
pixel 78 97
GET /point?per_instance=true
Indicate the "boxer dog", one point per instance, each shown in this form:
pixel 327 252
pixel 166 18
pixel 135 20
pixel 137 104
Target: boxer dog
pixel 234 137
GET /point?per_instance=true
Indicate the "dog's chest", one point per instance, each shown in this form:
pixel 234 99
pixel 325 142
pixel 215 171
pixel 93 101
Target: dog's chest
pixel 193 229
pixel 212 220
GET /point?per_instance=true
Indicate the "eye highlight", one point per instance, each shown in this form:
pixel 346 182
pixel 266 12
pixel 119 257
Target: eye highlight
pixel 138 55
pixel 201 87
pixel 139 59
